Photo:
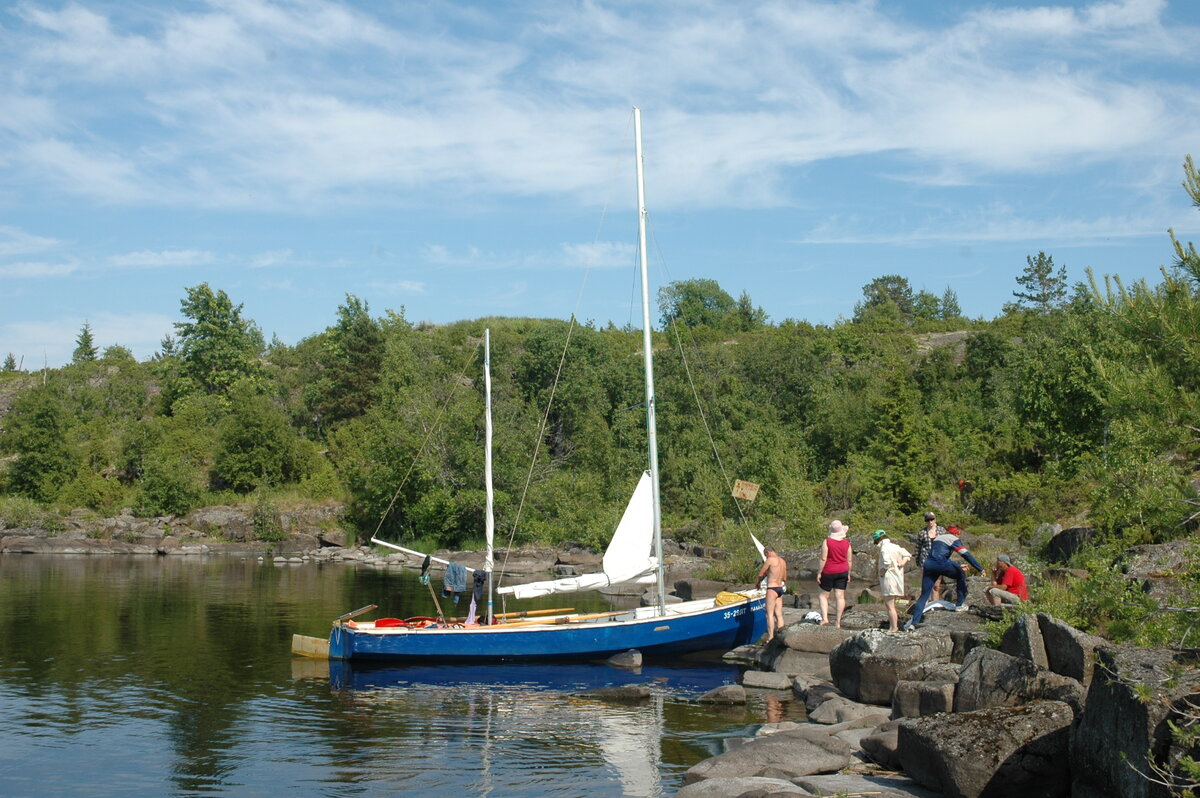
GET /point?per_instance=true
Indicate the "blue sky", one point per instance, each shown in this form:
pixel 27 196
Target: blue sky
pixel 460 160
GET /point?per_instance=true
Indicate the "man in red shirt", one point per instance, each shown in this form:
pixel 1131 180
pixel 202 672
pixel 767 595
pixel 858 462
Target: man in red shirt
pixel 1009 587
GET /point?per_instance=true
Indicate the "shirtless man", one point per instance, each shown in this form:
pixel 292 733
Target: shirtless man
pixel 774 570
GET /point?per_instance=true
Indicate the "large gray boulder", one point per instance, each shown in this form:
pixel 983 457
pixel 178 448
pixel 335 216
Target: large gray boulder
pixel 786 755
pixel 1121 731
pixel 1064 545
pixel 882 745
pixel 915 699
pixel 1024 639
pixel 1006 752
pixel 867 666
pixel 1068 650
pixel 992 678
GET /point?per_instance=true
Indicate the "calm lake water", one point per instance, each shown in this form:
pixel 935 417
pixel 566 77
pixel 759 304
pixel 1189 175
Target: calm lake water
pixel 156 676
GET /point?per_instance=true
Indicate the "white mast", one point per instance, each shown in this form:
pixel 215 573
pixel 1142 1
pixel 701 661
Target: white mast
pixel 490 521
pixel 651 433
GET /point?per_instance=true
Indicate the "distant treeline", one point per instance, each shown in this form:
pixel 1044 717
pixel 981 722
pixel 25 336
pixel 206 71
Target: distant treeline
pixel 1077 404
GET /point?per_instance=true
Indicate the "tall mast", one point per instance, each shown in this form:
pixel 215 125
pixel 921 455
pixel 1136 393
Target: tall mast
pixel 651 432
pixel 490 520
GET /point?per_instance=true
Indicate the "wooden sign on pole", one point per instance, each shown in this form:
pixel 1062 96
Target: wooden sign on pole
pixel 746 491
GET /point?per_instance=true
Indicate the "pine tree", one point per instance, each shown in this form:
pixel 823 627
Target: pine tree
pixel 1045 288
pixel 10 362
pixel 950 307
pixel 85 346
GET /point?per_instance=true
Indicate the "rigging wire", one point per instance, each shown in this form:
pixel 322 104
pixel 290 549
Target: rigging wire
pixel 541 432
pixel 428 436
pixel 687 369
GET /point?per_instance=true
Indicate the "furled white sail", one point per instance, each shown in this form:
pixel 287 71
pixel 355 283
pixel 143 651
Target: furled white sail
pixel 627 559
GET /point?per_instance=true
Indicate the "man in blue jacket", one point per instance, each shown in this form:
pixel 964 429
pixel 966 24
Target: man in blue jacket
pixel 939 564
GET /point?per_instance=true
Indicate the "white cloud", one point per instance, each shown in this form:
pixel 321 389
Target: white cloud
pixel 14 241
pixel 265 260
pixel 36 269
pixel 401 287
pixel 600 255
pixel 169 258
pixel 256 104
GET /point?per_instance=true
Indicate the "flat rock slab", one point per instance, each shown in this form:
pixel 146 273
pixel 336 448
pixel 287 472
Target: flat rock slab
pixel 737 787
pixel 875 786
pixel 786 754
pixel 813 638
pixel 768 679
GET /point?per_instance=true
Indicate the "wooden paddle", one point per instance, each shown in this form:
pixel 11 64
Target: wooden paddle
pixel 567 619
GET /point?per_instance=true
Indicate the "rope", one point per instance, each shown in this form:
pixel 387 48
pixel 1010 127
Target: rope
pixel 696 394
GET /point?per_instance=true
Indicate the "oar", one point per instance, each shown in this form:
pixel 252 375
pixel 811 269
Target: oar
pixel 522 614
pixel 425 579
pixel 568 619
pixel 354 613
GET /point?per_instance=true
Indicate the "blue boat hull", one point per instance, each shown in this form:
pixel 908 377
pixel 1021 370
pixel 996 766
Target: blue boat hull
pixel 720 627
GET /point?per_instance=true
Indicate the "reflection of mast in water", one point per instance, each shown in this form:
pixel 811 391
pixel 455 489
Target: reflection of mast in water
pixel 631 742
pixel 485 784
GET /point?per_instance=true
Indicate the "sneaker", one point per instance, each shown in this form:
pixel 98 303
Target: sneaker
pixel 908 627
pixel 961 608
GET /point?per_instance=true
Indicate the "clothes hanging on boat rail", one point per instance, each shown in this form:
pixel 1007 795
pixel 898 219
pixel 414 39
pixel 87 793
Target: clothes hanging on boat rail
pixel 455 580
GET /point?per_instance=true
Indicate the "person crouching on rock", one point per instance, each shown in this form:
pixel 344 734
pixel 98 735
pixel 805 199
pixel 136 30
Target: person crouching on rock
pixel 892 559
pixel 1009 584
pixel 773 571
pixel 833 574
pixel 939 564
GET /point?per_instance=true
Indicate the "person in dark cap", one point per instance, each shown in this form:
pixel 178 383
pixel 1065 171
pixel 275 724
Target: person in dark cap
pixel 1009 585
pixel 937 565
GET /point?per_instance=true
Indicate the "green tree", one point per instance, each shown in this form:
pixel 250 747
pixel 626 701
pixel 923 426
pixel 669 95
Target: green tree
pixel 1045 288
pixel 748 317
pixel 10 362
pixel 926 306
pixel 217 347
pixel 950 307
pixel 85 346
pixel 257 446
pixel 36 429
pixel 350 363
pixel 886 297
pixel 695 303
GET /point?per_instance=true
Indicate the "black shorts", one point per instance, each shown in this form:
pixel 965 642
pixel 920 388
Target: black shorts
pixel 835 581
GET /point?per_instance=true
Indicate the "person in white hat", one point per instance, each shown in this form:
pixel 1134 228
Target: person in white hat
pixel 833 574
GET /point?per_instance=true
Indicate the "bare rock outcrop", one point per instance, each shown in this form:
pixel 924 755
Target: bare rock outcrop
pixel 867 666
pixel 1121 732
pixel 1005 752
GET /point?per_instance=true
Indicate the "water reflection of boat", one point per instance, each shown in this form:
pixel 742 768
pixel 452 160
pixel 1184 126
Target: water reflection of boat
pixel 634 557
pixel 491 718
pixel 560 677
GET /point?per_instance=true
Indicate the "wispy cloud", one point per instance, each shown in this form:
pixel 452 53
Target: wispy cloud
pixel 169 258
pixel 401 287
pixel 36 269
pixel 265 260
pixel 14 241
pixel 741 94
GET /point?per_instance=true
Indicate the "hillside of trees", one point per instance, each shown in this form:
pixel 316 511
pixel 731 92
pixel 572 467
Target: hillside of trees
pixel 1077 405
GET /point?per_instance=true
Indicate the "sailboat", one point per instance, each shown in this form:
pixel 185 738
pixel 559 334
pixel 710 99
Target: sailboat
pixel 634 556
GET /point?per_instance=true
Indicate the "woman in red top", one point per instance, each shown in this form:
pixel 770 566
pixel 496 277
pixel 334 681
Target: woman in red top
pixel 833 574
